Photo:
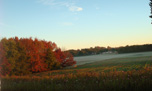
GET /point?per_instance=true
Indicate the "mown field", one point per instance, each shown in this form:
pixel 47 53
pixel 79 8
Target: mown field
pixel 116 74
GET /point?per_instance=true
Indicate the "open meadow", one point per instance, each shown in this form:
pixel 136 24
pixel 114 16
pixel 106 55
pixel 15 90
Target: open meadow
pixel 100 57
pixel 108 72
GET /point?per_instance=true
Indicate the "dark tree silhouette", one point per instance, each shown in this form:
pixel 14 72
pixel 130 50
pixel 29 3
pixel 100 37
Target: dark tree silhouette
pixel 150 4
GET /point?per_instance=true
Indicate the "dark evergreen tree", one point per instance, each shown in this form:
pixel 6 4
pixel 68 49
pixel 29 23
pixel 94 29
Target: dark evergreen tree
pixel 150 4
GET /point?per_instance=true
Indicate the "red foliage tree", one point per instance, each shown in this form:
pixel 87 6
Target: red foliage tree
pixel 60 56
pixel 66 59
pixel 69 61
pixel 25 56
pixel 35 52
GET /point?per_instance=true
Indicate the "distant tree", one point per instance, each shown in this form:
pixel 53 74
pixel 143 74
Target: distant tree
pixel 109 48
pixel 134 48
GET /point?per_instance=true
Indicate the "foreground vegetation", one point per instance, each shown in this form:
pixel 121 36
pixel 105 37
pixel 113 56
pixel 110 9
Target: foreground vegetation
pixel 128 74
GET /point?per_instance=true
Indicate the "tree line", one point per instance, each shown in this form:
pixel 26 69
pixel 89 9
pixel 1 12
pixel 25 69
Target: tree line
pixel 122 49
pixel 26 55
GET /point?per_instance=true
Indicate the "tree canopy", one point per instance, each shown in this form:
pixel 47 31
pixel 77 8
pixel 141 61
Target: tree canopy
pixel 25 55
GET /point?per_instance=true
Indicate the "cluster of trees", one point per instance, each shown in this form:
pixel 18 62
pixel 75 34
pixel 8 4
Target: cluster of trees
pixel 26 55
pixel 88 51
pixel 99 50
pixel 134 48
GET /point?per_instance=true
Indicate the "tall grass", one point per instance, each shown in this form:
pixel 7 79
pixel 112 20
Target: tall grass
pixel 134 76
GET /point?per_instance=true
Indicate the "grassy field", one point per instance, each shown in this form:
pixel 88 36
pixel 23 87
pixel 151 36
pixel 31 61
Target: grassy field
pixel 101 57
pixel 116 74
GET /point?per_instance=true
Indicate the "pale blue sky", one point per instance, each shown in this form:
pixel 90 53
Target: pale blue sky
pixel 76 24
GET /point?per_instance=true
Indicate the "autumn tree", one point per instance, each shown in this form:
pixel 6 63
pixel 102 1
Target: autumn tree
pixel 51 61
pixel 22 65
pixel 66 59
pixel 25 55
pixel 4 64
pixel 35 54
pixel 60 56
pixel 69 61
pixel 11 53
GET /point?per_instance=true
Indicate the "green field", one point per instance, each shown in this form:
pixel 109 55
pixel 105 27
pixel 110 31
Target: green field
pixel 116 74
pixel 101 57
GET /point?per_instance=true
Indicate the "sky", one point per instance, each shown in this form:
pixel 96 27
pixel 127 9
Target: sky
pixel 76 24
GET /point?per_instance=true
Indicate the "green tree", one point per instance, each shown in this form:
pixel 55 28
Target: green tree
pixel 4 65
pixel 22 63
pixel 12 53
pixel 50 59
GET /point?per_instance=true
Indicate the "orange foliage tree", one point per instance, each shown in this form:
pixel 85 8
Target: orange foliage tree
pixel 25 55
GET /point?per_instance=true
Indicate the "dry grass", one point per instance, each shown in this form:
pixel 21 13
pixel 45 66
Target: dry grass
pixel 128 74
